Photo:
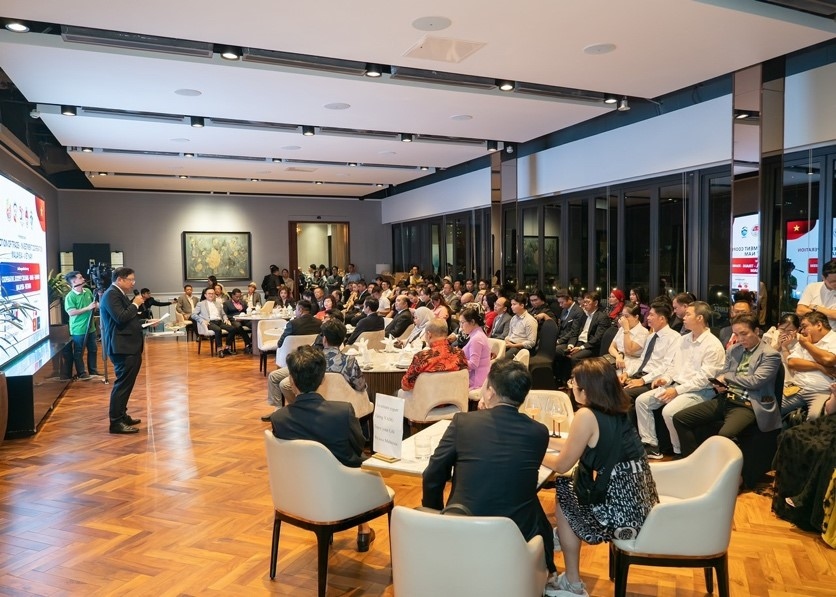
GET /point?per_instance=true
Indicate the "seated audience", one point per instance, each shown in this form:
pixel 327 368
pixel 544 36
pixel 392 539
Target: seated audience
pixel 626 347
pixel 745 396
pixel 488 302
pixel 477 350
pixel 441 310
pixel 592 326
pixel 726 335
pixel 638 295
pixel 421 317
pixel 600 427
pixel 311 417
pixel 686 382
pixel 210 311
pixel 493 457
pixel 680 302
pixel 235 307
pixel 569 324
pixel 253 298
pixel 820 296
pixel 501 320
pixel 402 318
pixel 813 364
pixel 522 329
pixel 440 356
pixel 327 304
pixel 538 308
pixel 657 354
pixel 186 302
pixel 784 335
pixel 284 299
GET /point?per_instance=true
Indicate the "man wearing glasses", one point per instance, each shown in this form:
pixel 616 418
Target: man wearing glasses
pixel 123 342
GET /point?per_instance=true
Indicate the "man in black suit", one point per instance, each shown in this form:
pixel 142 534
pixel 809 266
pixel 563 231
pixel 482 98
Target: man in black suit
pixel 502 321
pixel 123 341
pixel 331 423
pixel 402 319
pixel 303 324
pixel 371 322
pixel 495 455
pixel 570 319
pixel 587 343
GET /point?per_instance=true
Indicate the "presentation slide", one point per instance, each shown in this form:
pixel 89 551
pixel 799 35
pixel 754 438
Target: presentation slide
pixel 24 306
pixel 746 246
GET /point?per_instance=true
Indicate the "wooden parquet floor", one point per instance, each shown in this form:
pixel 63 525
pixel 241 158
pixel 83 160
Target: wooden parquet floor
pixel 183 508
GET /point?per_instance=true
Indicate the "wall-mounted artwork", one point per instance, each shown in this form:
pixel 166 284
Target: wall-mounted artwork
pixel 225 255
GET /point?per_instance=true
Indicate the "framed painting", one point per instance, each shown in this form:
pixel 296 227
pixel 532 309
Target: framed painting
pixel 225 255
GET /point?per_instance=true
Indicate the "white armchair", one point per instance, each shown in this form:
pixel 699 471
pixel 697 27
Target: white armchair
pixel 290 344
pixel 335 387
pixel 374 339
pixel 305 480
pixel 497 347
pixel 691 526
pixel 523 356
pixel 266 344
pixel 437 396
pixel 451 556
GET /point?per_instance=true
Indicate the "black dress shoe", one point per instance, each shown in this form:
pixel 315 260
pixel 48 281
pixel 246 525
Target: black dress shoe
pixel 128 420
pixel 122 427
pixel 364 540
pixel 266 418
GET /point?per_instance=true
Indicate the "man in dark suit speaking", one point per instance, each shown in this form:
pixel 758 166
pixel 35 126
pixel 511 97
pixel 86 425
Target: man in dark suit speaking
pixel 123 340
pixel 496 454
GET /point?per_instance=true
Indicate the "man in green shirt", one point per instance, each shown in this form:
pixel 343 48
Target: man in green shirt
pixel 79 305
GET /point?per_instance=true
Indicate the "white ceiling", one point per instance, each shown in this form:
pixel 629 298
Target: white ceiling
pixel 660 46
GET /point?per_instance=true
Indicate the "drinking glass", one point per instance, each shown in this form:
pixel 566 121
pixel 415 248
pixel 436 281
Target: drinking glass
pixel 422 447
pixel 532 407
pixel 558 415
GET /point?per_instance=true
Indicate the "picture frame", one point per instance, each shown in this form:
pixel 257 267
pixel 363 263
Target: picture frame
pixel 225 255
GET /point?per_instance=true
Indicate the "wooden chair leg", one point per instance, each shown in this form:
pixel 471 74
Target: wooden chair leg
pixel 323 538
pixel 274 549
pixel 612 561
pixel 709 579
pixel 722 567
pixel 622 567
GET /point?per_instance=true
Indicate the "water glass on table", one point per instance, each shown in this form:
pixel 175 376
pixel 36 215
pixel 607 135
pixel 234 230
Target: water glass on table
pixel 422 446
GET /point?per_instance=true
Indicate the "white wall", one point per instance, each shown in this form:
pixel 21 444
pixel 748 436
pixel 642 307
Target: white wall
pixel 148 227
pixel 809 100
pixel 684 139
pixel 469 191
pixel 312 245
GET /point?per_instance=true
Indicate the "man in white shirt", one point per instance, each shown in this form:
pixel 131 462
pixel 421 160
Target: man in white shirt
pixel 821 296
pixel 813 363
pixel 686 382
pixel 661 346
pixel 522 330
pixel 211 312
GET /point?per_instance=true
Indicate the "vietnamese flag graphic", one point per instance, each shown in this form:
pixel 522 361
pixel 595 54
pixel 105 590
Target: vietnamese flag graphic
pixel 41 207
pixel 798 228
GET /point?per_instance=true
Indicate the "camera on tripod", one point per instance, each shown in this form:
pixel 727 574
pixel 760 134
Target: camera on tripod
pixel 100 276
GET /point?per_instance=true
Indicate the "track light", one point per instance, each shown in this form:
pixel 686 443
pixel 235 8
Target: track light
pixel 623 105
pixel 505 85
pixel 373 70
pixel 68 110
pixel 406 138
pixel 196 121
pixel 610 99
pixel 17 27
pixel 230 53
pixel 308 131
pixel 492 146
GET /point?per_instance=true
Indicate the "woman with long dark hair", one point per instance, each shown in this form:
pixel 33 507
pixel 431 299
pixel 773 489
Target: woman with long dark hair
pixel 604 442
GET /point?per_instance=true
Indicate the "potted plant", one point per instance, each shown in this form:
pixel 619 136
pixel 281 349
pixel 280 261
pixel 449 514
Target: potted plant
pixel 58 289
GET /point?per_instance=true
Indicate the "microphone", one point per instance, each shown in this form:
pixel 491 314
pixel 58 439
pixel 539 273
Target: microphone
pixel 136 292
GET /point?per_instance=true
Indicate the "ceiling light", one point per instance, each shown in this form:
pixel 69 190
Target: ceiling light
pixel 406 138
pixel 230 53
pixel 741 115
pixel 373 70
pixel 378 185
pixel 87 149
pixel 188 155
pixel 623 105
pixel 183 176
pixel 102 173
pixel 254 180
pixel 352 164
pixel 318 182
pixel 610 99
pixel 17 27
pixel 424 168
pixel 492 146
pixel 277 160
pixel 68 110
pixel 196 121
pixel 308 131
pixel 505 85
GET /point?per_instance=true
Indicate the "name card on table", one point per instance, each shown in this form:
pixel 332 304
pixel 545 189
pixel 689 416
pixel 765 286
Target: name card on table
pixel 388 425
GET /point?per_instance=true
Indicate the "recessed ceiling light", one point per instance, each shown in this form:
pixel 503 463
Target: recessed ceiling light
pixel 292 147
pixel 337 106
pixel 196 121
pixel 431 23
pixel 87 149
pixel 378 185
pixel 187 155
pixel 308 131
pixel 492 145
pixel 102 173
pixel 318 182
pixel 505 85
pixel 68 110
pixel 188 92
pixel 183 176
pixel 352 164
pixel 17 27
pixel 373 70
pixel 254 180
pixel 424 168
pixel 610 99
pixel 461 117
pixel 406 138
pixel 598 49
pixel 277 160
pixel 230 53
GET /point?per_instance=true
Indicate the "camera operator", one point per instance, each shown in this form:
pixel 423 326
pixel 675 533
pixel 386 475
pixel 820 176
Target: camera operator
pixel 79 305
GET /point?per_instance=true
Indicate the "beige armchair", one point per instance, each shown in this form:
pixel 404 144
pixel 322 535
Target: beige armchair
pixel 313 491
pixel 375 339
pixel 523 356
pixel 180 319
pixel 406 332
pixel 290 344
pixel 267 345
pixel 335 387
pixel 691 526
pixel 497 347
pixel 436 396
pixel 451 556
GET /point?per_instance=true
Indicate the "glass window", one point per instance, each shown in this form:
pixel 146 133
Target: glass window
pixel 577 247
pixel 800 225
pixel 509 250
pixel 717 222
pixel 672 240
pixel 637 239
pixel 531 249
pixel 551 248
pixel 606 226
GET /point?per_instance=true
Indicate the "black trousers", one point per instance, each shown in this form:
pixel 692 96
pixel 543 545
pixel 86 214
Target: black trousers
pixel 696 423
pixel 216 325
pixel 126 368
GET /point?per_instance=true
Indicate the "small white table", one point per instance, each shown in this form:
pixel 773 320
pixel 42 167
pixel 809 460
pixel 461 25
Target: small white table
pixel 410 466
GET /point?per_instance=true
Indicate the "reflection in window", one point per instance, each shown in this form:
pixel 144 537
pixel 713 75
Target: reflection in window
pixel 637 239
pixel 551 249
pixel 672 240
pixel 800 224
pixel 531 249
pixel 718 216
pixel 578 245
